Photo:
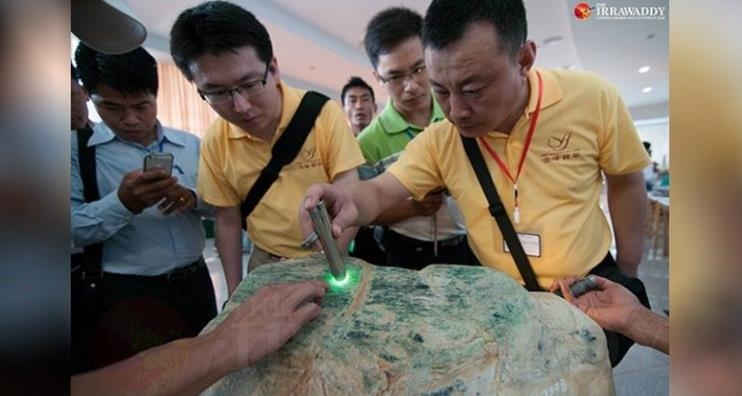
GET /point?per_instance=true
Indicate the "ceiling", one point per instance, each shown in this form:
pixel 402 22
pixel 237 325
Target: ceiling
pixel 318 43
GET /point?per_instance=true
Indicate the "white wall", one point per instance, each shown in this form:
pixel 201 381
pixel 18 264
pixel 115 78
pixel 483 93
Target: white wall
pixel 649 112
pixel 656 132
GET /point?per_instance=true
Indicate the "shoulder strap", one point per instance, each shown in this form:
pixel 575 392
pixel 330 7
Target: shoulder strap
pixel 86 158
pixel 497 210
pixel 285 149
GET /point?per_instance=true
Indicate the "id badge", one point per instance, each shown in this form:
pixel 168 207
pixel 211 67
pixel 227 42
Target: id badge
pixel 531 244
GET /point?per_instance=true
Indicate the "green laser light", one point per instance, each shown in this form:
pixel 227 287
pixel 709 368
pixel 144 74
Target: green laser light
pixel 340 282
pixel 351 278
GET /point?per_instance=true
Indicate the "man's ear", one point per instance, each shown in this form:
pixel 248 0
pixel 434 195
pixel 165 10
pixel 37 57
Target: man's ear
pixel 527 57
pixel 85 93
pixel 377 77
pixel 274 69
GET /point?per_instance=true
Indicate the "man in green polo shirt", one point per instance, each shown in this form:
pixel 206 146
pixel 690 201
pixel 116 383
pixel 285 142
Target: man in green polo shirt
pixel 420 232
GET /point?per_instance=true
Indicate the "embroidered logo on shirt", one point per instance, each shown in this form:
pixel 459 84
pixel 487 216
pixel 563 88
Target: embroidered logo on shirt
pixel 307 158
pixel 560 151
pixel 308 152
pixel 560 143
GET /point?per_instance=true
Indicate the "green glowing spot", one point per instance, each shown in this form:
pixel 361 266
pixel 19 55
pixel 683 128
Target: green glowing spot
pixel 352 276
pixel 340 283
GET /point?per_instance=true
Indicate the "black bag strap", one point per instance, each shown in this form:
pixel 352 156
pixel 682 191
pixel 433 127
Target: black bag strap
pixel 497 210
pixel 285 149
pixel 93 253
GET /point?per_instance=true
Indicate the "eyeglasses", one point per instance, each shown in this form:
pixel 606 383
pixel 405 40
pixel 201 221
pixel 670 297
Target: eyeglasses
pixel 247 89
pixel 399 79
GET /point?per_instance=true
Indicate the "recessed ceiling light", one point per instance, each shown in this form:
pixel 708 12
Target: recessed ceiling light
pixel 647 89
pixel 644 69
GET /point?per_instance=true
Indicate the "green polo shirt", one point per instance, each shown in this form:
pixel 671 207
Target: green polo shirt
pixel 387 136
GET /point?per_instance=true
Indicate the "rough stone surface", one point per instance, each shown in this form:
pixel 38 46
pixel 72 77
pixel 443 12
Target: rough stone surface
pixel 446 330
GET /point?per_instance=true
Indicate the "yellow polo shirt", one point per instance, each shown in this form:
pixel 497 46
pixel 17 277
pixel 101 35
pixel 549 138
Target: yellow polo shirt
pixel 231 161
pixel 583 129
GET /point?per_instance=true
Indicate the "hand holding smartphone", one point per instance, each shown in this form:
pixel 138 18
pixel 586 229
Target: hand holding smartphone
pixel 153 161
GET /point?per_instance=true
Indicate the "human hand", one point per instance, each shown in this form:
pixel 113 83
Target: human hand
pixel 267 320
pixel 611 305
pixel 178 200
pixel 339 204
pixel 429 205
pixel 139 190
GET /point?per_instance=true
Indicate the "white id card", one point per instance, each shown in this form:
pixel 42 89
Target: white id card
pixel 531 244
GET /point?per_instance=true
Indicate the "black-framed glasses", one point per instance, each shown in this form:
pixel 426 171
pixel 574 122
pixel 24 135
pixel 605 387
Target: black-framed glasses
pixel 247 89
pixel 399 79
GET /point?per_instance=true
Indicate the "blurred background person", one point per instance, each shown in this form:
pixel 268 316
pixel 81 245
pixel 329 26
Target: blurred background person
pixel 359 104
pixel 650 171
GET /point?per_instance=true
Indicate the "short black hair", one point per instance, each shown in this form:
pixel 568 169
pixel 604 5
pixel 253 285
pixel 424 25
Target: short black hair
pixel 389 28
pixel 74 75
pixel 356 82
pixel 447 20
pixel 215 27
pixel 131 73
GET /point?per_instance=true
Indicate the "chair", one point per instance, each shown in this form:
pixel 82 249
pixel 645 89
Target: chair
pixel 657 230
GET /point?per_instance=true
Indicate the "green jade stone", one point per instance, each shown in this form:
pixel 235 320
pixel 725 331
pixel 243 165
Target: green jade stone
pixel 445 330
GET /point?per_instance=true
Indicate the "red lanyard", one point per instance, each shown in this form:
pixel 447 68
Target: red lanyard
pixel 529 137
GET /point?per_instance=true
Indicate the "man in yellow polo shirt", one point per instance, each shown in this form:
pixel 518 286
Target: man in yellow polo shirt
pixel 481 68
pixel 418 232
pixel 228 54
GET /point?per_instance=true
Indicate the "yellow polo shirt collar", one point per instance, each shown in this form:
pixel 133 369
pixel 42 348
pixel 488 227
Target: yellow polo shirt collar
pixel 552 93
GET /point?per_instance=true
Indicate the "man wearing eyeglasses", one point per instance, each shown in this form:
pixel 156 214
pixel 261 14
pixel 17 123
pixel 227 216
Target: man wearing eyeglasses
pixel 227 53
pixel 420 232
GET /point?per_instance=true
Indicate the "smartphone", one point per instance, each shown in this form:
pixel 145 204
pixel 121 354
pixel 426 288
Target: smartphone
pixel 158 160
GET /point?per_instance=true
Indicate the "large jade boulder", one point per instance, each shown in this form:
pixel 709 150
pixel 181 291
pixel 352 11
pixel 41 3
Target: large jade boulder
pixel 445 330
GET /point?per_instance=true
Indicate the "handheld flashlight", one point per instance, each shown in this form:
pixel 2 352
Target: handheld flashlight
pixel 323 228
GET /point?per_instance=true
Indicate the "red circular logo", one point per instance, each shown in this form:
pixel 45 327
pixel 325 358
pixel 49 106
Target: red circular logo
pixel 583 11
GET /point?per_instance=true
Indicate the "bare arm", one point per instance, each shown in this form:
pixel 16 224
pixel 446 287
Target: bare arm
pixel 254 330
pixel 627 202
pixel 650 329
pixel 377 196
pixel 345 181
pixel 411 208
pixel 401 211
pixel 615 308
pixel 229 244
